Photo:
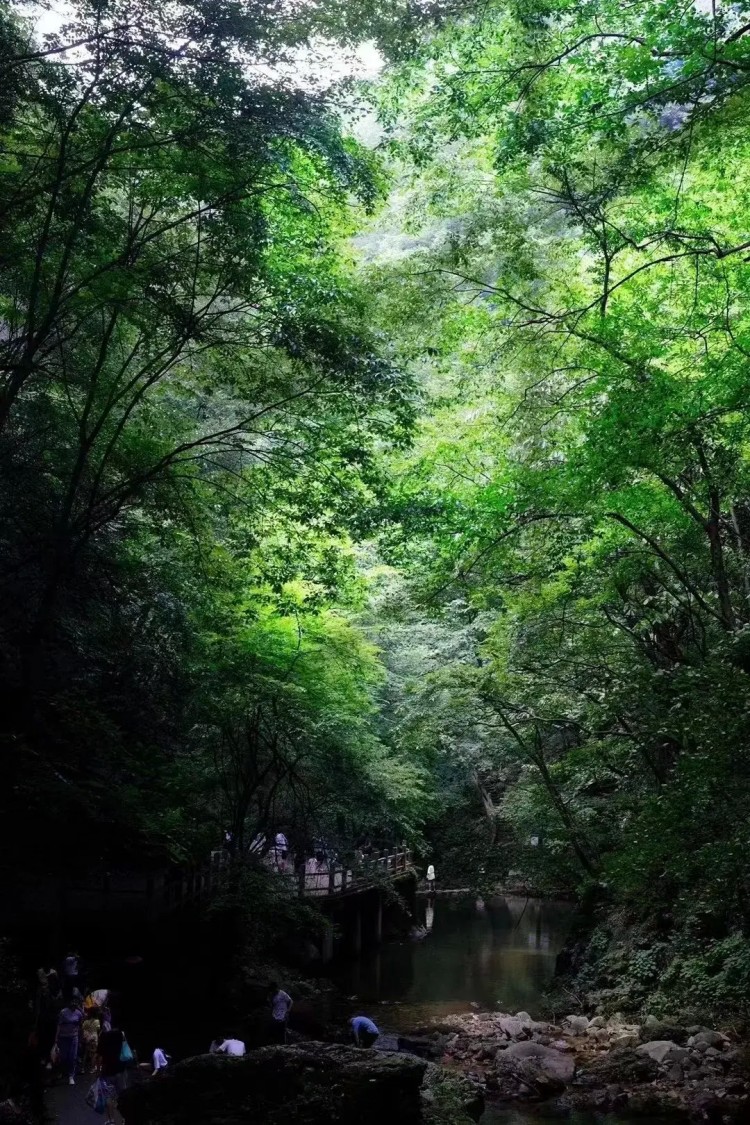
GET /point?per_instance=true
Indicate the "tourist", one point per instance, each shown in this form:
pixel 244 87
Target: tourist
pixel 160 1061
pixel 431 879
pixel 233 1047
pixel 71 972
pixel 46 1011
pixel 364 1031
pixel 66 1039
pixel 281 1006
pixel 90 1031
pixel 111 1070
pixel 97 998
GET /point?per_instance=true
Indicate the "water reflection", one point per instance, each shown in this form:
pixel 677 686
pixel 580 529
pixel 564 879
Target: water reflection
pixel 498 953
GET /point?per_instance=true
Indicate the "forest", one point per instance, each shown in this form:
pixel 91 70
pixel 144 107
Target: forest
pixel 375 451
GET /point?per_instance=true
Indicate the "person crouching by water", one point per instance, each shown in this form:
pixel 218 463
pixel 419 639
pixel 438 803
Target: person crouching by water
pixel 281 1006
pixel 159 1060
pixel 234 1047
pixel 431 879
pixel 364 1031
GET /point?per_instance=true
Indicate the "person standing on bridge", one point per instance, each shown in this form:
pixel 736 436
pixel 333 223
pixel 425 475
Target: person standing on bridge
pixel 431 879
pixel 281 1006
pixel 364 1031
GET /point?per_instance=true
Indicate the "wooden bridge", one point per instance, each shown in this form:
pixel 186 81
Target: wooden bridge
pixel 353 896
pixel 326 878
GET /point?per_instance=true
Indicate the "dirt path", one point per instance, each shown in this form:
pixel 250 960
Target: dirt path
pixel 68 1105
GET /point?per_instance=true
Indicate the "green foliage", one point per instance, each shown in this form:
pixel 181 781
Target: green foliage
pixel 564 268
pixel 191 404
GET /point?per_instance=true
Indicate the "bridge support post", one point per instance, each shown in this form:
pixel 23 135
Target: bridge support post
pixel 378 919
pixel 357 931
pixel 326 952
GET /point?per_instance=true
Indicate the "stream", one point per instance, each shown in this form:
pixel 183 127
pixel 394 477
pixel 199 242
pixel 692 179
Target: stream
pixel 498 954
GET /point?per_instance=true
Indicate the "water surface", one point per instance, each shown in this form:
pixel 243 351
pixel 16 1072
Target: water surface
pixel 490 956
pixel 495 955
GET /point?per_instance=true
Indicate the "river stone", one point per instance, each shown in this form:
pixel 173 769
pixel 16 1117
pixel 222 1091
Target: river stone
pixel 524 1018
pixel 450 1097
pixel 577 1024
pixel 707 1039
pixel 626 1039
pixel 658 1050
pixel 553 1064
pixel 306 1084
pixel 598 1021
pixel 657 1030
pixel 625 1066
pixel 511 1026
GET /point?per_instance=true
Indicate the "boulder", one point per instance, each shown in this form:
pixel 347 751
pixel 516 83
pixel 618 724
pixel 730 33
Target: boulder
pixel 308 1084
pixel 706 1039
pixel 626 1039
pixel 576 1024
pixel 658 1050
pixel 654 1030
pixel 511 1026
pixel 598 1021
pixel 449 1097
pixel 426 1047
pixel 624 1066
pixel 553 1064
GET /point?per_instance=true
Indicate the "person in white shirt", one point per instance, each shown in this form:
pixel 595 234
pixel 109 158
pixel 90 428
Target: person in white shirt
pixel 160 1060
pixel 281 1006
pixel 231 1047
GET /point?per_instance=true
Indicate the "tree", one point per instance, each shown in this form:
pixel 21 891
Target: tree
pixel 564 268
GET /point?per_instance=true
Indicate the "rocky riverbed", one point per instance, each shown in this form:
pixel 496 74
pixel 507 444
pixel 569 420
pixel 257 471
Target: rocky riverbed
pixel 695 1073
pixel 306 1084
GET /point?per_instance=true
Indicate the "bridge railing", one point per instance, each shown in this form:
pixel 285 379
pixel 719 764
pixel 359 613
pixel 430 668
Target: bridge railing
pixel 334 878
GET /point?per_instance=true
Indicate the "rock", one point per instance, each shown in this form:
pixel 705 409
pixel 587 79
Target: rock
pixel 553 1064
pixel 577 1024
pixel 662 1029
pixel 707 1039
pixel 674 1073
pixel 511 1026
pixel 308 1084
pixel 450 1097
pixel 524 1018
pixel 658 1050
pixel 419 1045
pixel 626 1039
pixel 624 1066
pixel 598 1021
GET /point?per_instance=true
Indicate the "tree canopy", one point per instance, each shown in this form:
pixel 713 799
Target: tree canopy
pixel 563 264
pixel 397 488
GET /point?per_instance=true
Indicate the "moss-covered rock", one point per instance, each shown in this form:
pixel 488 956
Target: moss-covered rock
pixel 309 1084
pixel 450 1098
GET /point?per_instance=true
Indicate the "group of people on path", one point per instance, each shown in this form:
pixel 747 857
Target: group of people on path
pixel 76 1034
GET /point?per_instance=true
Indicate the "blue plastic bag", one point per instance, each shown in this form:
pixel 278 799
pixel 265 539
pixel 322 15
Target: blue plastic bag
pixel 101 1103
pixel 126 1055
